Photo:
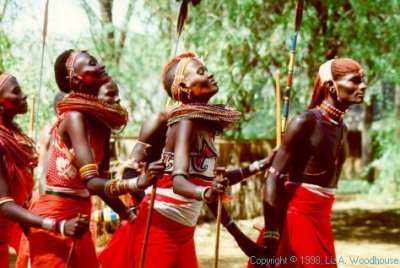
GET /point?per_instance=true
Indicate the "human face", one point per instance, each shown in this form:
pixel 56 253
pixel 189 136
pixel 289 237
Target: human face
pixel 201 83
pixel 109 93
pixel 12 99
pixel 90 72
pixel 352 87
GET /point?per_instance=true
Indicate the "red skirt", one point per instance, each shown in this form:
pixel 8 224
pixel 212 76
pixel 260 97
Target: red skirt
pixel 170 244
pixel 51 250
pixel 307 234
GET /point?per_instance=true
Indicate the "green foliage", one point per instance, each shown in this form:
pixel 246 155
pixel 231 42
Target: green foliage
pixel 387 160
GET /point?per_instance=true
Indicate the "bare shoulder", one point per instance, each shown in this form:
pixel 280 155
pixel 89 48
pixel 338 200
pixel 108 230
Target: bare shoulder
pixel 304 122
pixel 74 117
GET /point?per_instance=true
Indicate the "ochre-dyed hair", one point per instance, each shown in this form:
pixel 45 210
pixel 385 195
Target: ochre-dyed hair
pixel 168 73
pixel 340 67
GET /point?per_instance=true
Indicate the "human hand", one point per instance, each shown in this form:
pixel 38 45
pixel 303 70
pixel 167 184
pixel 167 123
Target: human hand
pixel 218 187
pixel 75 227
pixel 154 171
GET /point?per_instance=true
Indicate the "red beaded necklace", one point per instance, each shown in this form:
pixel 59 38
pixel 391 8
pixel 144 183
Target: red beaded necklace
pixel 333 114
pixel 21 147
pixel 113 115
pixel 222 116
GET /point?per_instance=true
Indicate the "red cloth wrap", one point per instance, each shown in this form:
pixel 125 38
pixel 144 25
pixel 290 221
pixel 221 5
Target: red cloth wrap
pixel 51 250
pixel 307 232
pixel 170 244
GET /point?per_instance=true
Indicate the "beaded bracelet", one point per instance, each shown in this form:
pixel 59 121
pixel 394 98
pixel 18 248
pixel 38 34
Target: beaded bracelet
pixel 271 235
pixel 198 193
pixel 133 185
pixel 255 166
pixel 6 199
pixel 88 171
pixel 180 173
pixel 61 227
pixel 203 194
pixel 49 225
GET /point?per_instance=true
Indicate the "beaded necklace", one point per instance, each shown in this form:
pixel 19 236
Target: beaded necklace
pixel 222 116
pixel 333 114
pixel 113 115
pixel 20 147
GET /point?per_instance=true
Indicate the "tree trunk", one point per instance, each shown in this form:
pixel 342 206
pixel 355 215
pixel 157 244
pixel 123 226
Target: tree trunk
pixel 367 150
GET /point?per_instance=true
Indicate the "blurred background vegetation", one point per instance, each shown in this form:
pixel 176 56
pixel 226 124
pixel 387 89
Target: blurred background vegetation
pixel 244 43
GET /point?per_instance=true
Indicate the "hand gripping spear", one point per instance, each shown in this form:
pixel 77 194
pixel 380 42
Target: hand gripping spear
pixel 286 99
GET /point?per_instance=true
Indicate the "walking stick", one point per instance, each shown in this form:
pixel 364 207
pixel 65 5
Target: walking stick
pixel 148 222
pixel 220 173
pixel 71 249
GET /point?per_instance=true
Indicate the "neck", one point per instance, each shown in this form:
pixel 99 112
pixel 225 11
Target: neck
pixel 6 120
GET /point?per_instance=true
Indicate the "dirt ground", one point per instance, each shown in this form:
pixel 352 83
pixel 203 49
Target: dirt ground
pixel 361 230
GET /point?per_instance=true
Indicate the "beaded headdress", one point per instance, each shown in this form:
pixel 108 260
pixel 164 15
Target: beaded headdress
pixel 3 79
pixel 325 71
pixel 70 65
pixel 180 72
pixel 325 74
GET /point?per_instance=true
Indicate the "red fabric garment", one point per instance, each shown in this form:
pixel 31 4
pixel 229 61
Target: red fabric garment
pixel 307 232
pixel 170 244
pixel 51 250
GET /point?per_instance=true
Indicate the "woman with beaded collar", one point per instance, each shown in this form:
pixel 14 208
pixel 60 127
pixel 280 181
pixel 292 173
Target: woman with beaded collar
pixel 190 158
pixel 150 147
pixel 79 160
pixel 18 157
pixel 304 174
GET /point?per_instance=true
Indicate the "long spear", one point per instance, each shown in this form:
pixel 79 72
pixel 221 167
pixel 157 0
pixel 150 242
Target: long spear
pixel 44 35
pixel 286 99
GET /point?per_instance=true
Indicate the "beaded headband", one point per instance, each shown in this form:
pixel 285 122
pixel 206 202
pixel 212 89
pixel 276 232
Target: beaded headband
pixel 70 65
pixel 180 75
pixel 3 79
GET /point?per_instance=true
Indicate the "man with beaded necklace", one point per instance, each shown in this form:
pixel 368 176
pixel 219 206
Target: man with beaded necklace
pixel 302 180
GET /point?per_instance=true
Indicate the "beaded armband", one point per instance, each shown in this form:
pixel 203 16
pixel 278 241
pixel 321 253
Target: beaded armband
pixel 271 235
pixel 278 174
pixel 180 173
pixel 88 171
pixel 6 199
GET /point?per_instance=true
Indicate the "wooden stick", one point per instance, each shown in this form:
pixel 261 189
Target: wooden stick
pixel 32 117
pixel 71 249
pixel 147 230
pixel 218 227
pixel 220 173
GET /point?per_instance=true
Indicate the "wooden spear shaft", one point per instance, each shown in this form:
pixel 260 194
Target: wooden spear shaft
pixel 286 99
pixel 220 173
pixel 278 110
pixel 148 223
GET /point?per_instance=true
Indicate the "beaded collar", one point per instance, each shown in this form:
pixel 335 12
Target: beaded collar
pixel 222 116
pixel 333 114
pixel 113 115
pixel 20 147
